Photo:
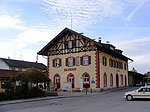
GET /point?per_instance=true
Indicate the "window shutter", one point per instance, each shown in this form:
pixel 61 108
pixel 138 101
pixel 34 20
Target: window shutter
pixel 81 60
pixel 59 62
pixel 66 61
pixel 73 61
pixel 53 62
pixel 89 59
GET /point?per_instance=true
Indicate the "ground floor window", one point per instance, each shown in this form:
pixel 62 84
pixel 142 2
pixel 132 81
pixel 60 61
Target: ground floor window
pixel 70 78
pixel 111 80
pixel 57 81
pixel 105 80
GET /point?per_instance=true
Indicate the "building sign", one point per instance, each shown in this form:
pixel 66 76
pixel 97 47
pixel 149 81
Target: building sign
pixel 70 69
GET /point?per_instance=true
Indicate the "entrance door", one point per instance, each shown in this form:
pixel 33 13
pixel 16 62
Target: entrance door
pixel 86 81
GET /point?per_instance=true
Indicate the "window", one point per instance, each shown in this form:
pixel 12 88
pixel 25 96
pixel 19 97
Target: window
pixel 110 62
pixel 77 43
pixel 121 79
pixel 57 81
pixel 125 66
pixel 70 61
pixel 111 80
pixel 105 80
pixel 85 60
pixel 70 44
pixel 70 78
pixel 56 62
pixel 104 61
pixel 63 45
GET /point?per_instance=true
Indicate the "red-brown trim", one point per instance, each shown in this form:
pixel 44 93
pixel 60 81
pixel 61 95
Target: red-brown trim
pixel 97 74
pixel 48 68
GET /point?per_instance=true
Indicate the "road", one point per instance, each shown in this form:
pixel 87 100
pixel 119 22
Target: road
pixel 110 102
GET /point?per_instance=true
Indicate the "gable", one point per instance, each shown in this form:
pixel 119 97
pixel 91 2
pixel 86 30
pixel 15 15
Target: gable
pixel 66 42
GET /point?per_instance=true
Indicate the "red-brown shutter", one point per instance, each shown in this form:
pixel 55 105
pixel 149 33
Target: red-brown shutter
pixel 59 62
pixel 81 60
pixel 66 61
pixel 73 61
pixel 53 62
pixel 89 58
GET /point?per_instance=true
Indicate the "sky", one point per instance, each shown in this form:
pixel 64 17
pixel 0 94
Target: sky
pixel 26 26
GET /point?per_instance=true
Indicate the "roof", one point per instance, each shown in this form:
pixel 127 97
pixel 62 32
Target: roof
pixel 100 46
pixel 23 64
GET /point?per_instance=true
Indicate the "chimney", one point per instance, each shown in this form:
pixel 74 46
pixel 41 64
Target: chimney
pixel 99 39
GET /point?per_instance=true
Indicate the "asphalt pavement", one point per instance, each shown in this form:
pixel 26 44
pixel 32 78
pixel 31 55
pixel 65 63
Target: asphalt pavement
pixel 61 95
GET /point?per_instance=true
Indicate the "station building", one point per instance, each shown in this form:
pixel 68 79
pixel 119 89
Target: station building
pixel 84 62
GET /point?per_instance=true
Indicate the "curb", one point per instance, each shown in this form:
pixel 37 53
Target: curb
pixel 56 97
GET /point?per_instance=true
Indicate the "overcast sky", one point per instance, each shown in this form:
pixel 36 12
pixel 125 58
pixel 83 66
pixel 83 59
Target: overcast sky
pixel 26 26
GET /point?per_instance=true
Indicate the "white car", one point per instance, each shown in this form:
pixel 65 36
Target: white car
pixel 142 92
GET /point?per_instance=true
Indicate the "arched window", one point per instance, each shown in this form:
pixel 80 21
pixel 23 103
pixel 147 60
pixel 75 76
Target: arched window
pixel 121 79
pixel 57 80
pixel 86 80
pixel 70 78
pixel 111 80
pixel 105 80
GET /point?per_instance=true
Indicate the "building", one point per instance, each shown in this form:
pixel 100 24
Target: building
pixel 10 68
pixel 84 62
pixel 135 78
pixel 18 65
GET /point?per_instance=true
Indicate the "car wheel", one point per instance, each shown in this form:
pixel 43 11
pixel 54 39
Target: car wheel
pixel 129 97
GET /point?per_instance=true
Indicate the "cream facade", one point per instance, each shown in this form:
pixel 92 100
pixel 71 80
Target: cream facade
pixel 84 62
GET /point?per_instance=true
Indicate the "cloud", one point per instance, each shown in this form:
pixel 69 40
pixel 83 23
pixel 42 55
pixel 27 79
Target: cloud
pixel 82 12
pixel 138 50
pixel 7 21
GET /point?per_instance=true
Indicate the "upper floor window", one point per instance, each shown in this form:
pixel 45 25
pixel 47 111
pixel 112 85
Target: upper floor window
pixel 70 45
pixel 63 45
pixel 125 66
pixel 110 62
pixel 85 60
pixel 56 62
pixel 104 61
pixel 77 43
pixel 70 61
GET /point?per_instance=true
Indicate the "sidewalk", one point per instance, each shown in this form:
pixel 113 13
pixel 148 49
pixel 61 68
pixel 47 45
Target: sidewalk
pixel 60 95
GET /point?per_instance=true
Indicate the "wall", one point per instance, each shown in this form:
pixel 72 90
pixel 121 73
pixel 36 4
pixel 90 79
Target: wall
pixel 111 70
pixel 79 70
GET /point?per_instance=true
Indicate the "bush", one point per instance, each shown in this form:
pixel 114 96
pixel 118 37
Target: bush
pixel 36 92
